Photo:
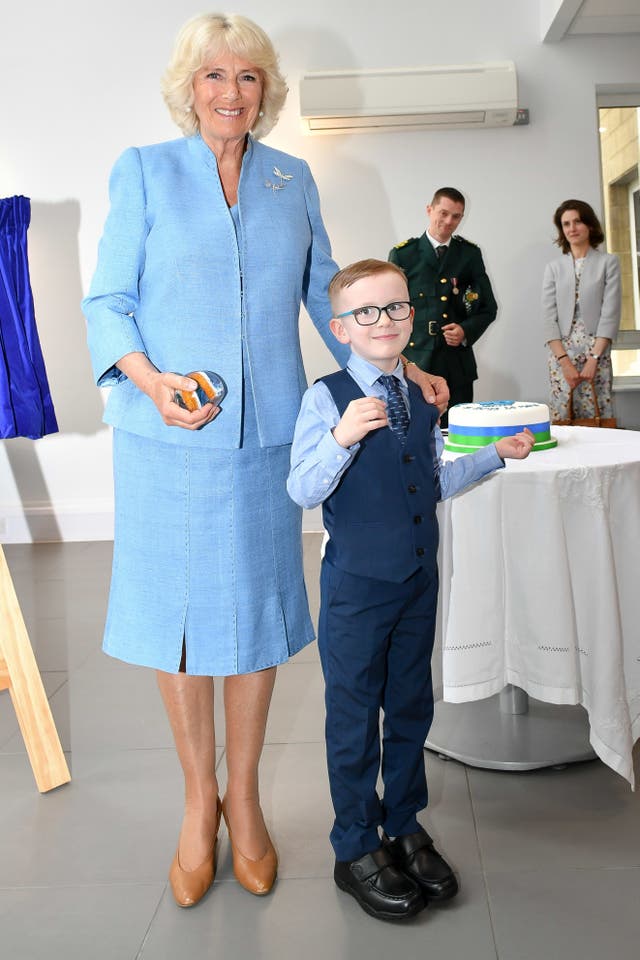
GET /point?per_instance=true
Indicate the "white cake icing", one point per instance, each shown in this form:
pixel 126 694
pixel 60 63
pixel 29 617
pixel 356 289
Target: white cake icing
pixel 475 425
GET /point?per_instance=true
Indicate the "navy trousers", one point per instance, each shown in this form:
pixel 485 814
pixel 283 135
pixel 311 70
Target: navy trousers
pixel 375 640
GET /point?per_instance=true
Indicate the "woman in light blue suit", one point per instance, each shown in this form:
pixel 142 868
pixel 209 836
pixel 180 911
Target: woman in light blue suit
pixel 211 244
pixel 580 312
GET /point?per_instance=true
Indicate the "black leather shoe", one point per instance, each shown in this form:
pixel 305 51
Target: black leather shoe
pixel 417 857
pixel 380 888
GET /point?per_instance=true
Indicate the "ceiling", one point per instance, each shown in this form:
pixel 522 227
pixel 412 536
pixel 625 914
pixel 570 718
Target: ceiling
pixel 571 18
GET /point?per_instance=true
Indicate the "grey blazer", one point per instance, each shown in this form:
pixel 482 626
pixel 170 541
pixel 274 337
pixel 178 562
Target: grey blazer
pixel 599 296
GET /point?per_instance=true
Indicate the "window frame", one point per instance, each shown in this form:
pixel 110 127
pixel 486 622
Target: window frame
pixel 626 95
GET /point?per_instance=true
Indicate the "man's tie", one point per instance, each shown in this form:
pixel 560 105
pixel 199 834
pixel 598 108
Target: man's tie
pixel 440 251
pixel 397 413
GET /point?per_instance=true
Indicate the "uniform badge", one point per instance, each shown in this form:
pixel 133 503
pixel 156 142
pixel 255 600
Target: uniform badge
pixel 469 298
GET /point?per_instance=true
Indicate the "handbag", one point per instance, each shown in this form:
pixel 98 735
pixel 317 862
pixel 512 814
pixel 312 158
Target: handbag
pixel 597 421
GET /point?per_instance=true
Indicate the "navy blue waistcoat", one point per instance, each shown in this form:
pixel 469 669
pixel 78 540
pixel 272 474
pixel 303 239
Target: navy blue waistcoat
pixel 381 518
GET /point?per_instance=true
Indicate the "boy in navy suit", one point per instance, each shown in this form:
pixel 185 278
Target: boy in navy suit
pixel 367 446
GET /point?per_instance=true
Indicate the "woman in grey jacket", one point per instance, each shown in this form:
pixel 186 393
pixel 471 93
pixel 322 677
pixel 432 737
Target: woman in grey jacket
pixel 581 313
pixel 211 244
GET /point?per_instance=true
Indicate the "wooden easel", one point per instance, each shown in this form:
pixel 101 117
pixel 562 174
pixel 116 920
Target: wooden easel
pixel 20 675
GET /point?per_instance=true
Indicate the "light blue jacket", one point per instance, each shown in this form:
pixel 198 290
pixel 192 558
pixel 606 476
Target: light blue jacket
pixel 168 283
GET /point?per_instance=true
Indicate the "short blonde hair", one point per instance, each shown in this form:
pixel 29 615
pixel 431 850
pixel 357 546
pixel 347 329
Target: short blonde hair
pixel 210 34
pixel 359 271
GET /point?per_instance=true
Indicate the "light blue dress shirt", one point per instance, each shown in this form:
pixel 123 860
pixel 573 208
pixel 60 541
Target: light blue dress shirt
pixel 318 461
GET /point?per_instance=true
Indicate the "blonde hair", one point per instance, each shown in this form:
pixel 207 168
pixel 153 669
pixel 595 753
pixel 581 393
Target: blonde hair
pixel 358 271
pixel 210 34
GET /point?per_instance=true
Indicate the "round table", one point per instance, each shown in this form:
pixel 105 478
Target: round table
pixel 539 590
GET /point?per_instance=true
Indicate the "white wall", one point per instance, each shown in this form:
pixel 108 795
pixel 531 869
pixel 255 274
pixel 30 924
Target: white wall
pixel 79 83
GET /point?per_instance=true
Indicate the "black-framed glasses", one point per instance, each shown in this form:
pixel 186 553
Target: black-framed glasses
pixel 367 316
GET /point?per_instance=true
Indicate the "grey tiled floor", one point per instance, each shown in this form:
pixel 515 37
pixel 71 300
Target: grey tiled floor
pixel 549 861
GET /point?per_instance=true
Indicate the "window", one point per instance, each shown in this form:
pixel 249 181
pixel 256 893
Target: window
pixel 619 126
pixel 634 222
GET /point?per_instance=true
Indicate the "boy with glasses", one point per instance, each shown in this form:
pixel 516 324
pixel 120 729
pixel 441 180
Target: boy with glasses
pixel 367 447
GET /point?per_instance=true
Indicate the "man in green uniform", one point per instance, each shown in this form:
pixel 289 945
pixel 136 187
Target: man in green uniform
pixel 451 294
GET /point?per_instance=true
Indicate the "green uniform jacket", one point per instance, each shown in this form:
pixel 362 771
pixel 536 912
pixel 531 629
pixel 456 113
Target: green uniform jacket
pixel 455 289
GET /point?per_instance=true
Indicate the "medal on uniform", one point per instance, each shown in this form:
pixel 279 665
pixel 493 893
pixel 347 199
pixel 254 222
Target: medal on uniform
pixel 454 287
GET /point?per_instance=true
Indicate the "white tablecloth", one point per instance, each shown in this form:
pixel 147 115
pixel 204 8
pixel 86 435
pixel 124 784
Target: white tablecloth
pixel 540 584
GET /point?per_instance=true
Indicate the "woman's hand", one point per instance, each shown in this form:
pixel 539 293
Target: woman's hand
pixel 161 388
pixel 589 370
pixel 434 389
pixel 570 373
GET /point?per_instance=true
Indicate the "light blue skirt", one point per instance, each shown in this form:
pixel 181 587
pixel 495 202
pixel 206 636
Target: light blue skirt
pixel 208 549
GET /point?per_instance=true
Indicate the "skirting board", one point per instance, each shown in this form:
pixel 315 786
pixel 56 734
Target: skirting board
pixel 42 524
pixel 39 524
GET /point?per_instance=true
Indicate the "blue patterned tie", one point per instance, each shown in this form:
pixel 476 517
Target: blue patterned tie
pixel 397 413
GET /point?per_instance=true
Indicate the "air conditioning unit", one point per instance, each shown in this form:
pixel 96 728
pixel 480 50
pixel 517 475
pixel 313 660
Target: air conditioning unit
pixel 460 96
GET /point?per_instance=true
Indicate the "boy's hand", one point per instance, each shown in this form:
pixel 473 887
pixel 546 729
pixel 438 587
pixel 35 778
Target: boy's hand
pixel 361 416
pixel 517 447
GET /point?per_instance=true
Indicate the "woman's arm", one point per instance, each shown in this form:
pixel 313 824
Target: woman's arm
pixel 117 348
pixel 609 322
pixel 161 387
pixel 569 370
pixel 113 298
pixel 434 389
pixel 550 325
pixel 320 269
pixel 590 368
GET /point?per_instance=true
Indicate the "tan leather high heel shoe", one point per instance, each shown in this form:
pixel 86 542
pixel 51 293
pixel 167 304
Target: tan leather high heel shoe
pixel 190 886
pixel 256 876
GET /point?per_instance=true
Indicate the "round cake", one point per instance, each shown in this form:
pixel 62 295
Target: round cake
pixel 475 425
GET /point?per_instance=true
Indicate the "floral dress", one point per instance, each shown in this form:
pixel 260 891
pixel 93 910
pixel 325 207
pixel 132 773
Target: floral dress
pixel 578 345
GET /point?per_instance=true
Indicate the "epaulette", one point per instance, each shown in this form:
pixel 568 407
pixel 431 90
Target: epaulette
pixel 457 236
pixel 404 243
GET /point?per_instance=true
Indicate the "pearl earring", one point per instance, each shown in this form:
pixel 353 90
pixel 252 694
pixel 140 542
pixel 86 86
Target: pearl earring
pixel 261 114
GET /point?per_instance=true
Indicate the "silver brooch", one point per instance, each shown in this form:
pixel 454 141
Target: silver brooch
pixel 282 177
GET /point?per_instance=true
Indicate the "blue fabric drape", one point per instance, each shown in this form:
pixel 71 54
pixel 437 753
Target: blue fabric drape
pixel 26 408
